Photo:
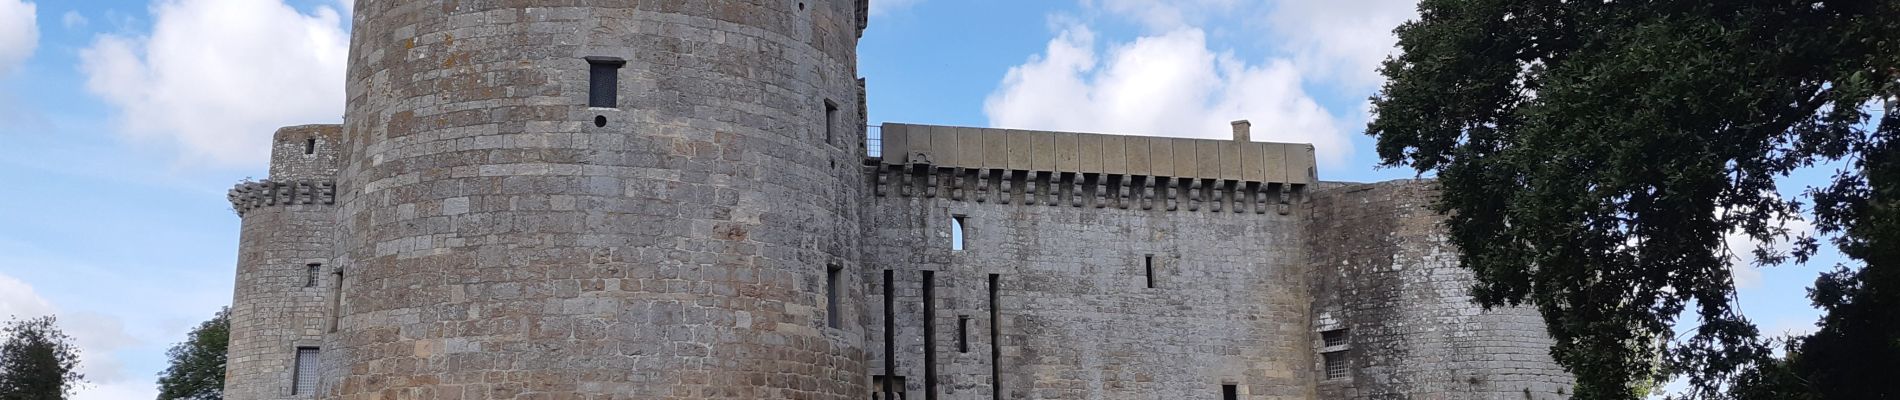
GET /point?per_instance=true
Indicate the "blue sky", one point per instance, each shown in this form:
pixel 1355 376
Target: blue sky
pixel 123 122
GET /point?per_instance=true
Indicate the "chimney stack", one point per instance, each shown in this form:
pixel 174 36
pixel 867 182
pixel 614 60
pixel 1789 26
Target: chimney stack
pixel 1243 131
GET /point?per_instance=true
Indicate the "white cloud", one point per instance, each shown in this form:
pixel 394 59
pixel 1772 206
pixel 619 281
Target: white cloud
pixel 1167 15
pixel 881 7
pixel 1341 40
pixel 99 337
pixel 1169 84
pixel 216 77
pixel 19 33
pixel 1741 248
pixel 17 299
pixel 72 20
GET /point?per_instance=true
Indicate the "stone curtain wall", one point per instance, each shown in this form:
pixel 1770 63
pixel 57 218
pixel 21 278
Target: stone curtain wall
pixel 502 239
pixel 276 308
pixel 1384 271
pixel 1078 321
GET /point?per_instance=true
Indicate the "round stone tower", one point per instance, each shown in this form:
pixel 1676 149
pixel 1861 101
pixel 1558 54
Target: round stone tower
pixel 600 199
pixel 283 277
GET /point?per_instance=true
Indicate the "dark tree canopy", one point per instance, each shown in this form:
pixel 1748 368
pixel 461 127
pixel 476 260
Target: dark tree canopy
pixel 37 361
pixel 197 365
pixel 1592 154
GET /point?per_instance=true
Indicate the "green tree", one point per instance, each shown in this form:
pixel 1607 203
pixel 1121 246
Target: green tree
pixel 1592 154
pixel 37 361
pixel 197 365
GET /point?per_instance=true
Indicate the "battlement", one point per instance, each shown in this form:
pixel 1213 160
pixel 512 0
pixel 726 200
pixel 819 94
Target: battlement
pixel 247 196
pixel 1088 169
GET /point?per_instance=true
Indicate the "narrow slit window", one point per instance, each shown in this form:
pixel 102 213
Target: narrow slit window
pixel 930 335
pixel 1148 269
pixel 996 349
pixel 831 296
pixel 963 333
pixel 603 81
pixel 336 298
pixel 1334 338
pixel 310 146
pixel 956 233
pixel 1229 392
pixel 310 274
pixel 304 378
pixel 1335 364
pixel 831 120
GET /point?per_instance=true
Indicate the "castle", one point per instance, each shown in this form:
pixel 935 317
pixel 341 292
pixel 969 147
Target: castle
pixel 679 199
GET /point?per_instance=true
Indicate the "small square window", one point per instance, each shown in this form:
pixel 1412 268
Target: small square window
pixel 1335 365
pixel 310 274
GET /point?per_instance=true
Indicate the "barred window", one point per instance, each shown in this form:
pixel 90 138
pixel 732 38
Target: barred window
pixel 1335 365
pixel 1336 337
pixel 310 275
pixel 304 378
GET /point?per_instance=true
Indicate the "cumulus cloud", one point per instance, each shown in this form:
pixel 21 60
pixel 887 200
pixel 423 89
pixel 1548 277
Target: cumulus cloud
pixel 17 299
pixel 216 77
pixel 98 336
pixel 881 7
pixel 1741 249
pixel 1170 84
pixel 73 20
pixel 19 33
pixel 1339 41
pixel 1167 15
pixel 1342 40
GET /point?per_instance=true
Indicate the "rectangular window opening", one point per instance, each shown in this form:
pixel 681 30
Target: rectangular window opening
pixel 336 298
pixel 886 385
pixel 1229 392
pixel 956 233
pixel 890 335
pixel 930 335
pixel 963 333
pixel 304 378
pixel 996 348
pixel 832 314
pixel 831 120
pixel 310 146
pixel 1335 364
pixel 603 81
pixel 310 275
pixel 1332 338
pixel 1148 269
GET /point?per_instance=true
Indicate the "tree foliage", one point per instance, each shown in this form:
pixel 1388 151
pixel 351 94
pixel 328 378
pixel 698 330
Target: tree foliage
pixel 197 364
pixel 37 361
pixel 1592 154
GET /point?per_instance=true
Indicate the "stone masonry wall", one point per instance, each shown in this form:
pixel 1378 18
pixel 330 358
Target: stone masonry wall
pixel 277 307
pixel 1228 306
pixel 1384 272
pixel 502 239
